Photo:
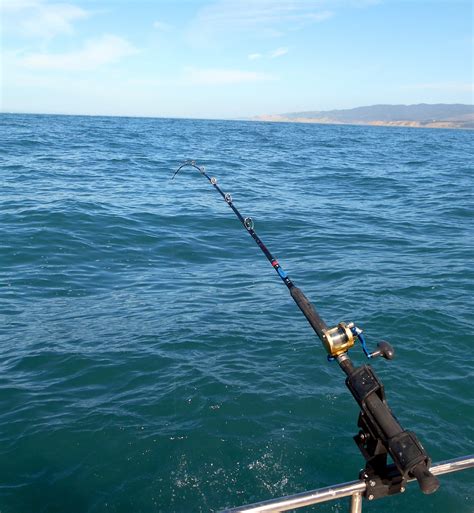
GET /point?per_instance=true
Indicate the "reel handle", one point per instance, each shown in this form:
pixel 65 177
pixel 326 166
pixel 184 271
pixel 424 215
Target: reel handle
pixel 385 350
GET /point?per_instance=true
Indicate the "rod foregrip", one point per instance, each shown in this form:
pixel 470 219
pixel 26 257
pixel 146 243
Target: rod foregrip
pixel 318 325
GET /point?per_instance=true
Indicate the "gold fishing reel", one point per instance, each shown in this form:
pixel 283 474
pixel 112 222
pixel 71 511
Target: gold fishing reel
pixel 338 340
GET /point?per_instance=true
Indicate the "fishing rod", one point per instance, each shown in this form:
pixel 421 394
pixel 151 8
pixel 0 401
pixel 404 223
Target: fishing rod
pixel 337 340
pixel 380 434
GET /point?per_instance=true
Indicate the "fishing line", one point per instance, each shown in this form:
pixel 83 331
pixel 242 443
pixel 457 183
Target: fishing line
pixel 300 299
pixel 380 433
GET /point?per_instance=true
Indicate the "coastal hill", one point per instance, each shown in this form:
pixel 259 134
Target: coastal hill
pixel 421 115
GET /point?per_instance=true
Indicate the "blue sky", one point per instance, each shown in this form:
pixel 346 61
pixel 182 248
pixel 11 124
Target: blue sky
pixel 232 58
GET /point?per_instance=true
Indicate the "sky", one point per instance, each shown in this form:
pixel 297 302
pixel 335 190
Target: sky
pixel 232 58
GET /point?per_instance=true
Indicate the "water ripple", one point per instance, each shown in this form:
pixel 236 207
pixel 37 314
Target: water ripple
pixel 151 359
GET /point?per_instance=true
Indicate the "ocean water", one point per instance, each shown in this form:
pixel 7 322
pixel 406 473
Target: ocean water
pixel 152 360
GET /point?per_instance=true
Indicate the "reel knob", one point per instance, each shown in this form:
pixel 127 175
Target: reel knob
pixel 385 350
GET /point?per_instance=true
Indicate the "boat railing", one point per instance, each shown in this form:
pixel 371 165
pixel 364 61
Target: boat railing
pixel 354 489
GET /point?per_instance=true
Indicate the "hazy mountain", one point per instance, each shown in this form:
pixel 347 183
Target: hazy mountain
pixel 422 115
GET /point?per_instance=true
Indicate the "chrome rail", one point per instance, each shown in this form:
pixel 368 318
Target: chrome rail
pixel 354 489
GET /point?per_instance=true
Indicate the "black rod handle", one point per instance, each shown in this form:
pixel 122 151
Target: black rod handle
pixel 318 325
pixel 426 480
pixel 383 416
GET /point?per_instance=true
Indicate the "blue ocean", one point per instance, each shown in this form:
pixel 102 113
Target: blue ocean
pixel 151 358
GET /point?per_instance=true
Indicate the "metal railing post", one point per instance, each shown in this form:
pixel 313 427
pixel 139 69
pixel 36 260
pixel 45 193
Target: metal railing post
pixel 356 503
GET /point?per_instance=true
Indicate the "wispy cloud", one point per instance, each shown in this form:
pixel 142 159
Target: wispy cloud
pixel 279 52
pixel 320 16
pixel 210 76
pixel 262 17
pixel 94 54
pixel 40 19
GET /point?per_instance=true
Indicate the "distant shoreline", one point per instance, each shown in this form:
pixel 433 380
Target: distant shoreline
pixel 446 124
pixel 421 115
pixel 402 123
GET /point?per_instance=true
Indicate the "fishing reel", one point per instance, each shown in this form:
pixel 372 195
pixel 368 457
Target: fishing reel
pixel 338 340
pixel 341 338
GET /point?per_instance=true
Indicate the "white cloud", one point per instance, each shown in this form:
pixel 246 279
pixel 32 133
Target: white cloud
pixel 278 52
pixel 10 6
pixel 40 19
pixel 197 76
pixel 95 53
